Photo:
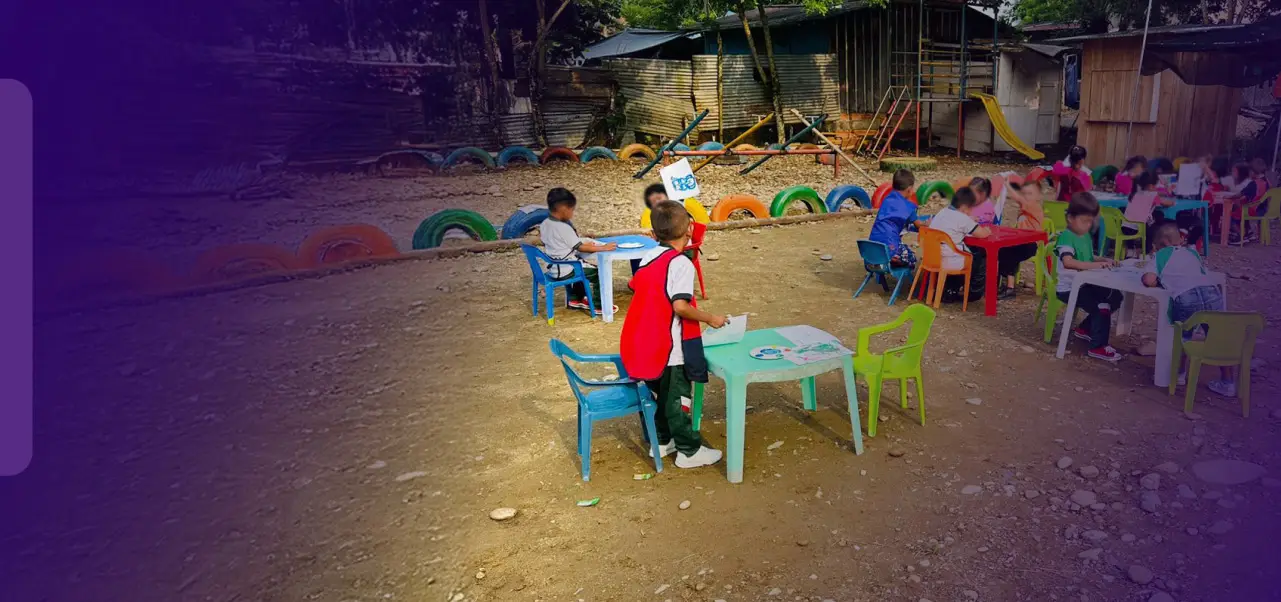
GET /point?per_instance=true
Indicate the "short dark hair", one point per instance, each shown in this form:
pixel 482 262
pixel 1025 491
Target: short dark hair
pixel 1167 231
pixel 558 197
pixel 1242 171
pixel 1076 155
pixel 1161 165
pixel 1144 180
pixel 1221 166
pixel 983 185
pixel 1138 160
pixel 904 179
pixel 1083 203
pixel 964 197
pixel 670 221
pixel 653 189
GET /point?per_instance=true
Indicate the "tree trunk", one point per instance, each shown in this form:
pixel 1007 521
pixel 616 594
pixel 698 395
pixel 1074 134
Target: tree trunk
pixel 1205 12
pixel 751 43
pixel 537 57
pixel 491 61
pixel 775 89
pixel 720 86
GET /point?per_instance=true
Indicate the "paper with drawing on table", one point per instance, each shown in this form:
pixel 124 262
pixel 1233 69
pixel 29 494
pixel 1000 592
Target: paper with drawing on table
pixel 805 335
pixel 816 352
pixel 733 331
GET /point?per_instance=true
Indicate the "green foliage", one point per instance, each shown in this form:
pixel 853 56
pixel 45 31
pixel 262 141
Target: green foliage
pixel 1097 15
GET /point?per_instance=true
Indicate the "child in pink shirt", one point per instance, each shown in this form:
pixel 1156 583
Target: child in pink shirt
pixel 1072 167
pixel 1125 180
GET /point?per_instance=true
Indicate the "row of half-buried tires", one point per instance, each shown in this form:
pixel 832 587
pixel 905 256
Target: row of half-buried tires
pixel 507 157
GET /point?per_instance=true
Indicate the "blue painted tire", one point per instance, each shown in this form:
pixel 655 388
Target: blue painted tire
pixel 597 152
pixel 840 194
pixel 520 223
pixel 468 151
pixel 776 146
pixel 681 147
pixel 430 159
pixel 711 146
pixel 517 152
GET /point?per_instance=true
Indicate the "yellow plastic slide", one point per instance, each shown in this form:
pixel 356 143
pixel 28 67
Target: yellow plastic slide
pixel 1003 129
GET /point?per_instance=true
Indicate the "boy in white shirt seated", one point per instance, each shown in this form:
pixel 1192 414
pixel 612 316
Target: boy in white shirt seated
pixel 562 243
pixel 955 221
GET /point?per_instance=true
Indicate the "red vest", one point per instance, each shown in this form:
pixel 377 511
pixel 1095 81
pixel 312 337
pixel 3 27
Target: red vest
pixel 647 331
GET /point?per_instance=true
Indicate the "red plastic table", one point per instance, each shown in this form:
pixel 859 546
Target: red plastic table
pixel 1001 236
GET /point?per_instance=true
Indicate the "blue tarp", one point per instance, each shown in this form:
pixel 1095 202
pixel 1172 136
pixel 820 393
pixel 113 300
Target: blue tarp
pixel 629 41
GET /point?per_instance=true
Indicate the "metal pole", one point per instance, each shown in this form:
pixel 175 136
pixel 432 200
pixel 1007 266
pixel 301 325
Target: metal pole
pixel 1277 144
pixel 1138 81
pixel 784 151
pixel 960 97
pixel 729 148
pixel 669 145
pixel 920 36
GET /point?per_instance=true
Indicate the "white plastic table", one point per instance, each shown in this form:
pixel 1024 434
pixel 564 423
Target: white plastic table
pixel 1129 280
pixel 605 264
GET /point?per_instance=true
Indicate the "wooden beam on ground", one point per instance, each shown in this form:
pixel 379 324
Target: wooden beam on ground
pixel 836 148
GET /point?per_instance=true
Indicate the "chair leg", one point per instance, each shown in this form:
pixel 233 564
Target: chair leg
pixel 647 425
pixel 698 269
pixel 936 289
pixel 965 301
pixel 898 284
pixel 591 303
pixel 920 396
pixel 864 285
pixel 1194 370
pixel 551 304
pixel 533 298
pixel 1243 385
pixel 902 393
pixel 1176 362
pixel 585 445
pixel 911 292
pixel 873 402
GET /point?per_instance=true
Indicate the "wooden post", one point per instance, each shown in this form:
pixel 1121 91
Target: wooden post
pixel 839 153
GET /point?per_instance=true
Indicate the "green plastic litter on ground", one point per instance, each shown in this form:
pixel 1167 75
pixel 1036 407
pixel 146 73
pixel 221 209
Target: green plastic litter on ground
pixel 643 477
pixel 591 502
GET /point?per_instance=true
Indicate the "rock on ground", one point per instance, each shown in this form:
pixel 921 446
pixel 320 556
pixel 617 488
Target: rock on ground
pixel 1227 472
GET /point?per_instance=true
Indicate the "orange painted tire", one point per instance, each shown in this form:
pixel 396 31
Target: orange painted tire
pixel 631 150
pixel 345 243
pixel 883 190
pixel 745 146
pixel 230 262
pixel 736 202
pixel 826 159
pixel 558 152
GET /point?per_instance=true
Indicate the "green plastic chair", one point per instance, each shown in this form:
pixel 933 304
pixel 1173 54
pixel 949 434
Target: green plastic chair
pixel 1043 253
pixel 1113 218
pixel 1049 303
pixel 902 362
pixel 1056 214
pixel 1273 213
pixel 1229 341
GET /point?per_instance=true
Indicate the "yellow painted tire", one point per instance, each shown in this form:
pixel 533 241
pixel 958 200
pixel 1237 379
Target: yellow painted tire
pixel 695 209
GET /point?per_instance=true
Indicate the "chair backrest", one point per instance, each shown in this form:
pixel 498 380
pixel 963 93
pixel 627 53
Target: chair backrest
pixel 1273 198
pixel 1049 267
pixel 913 349
pixel 564 354
pixel 932 242
pixel 700 233
pixel 1056 214
pixel 1113 218
pixel 536 257
pixel 1231 334
pixel 876 256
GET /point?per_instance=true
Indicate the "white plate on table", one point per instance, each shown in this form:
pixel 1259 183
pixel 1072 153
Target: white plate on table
pixel 630 245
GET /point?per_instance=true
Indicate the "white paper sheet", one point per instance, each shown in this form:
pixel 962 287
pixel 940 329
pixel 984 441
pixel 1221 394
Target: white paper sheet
pixel 816 352
pixel 805 335
pixel 732 332
pixel 1189 182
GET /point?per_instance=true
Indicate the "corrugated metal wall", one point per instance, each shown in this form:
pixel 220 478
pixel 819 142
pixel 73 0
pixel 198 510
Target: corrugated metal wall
pixel 810 82
pixel 656 94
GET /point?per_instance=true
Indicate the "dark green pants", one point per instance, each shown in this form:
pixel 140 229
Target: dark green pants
pixel 577 291
pixel 671 421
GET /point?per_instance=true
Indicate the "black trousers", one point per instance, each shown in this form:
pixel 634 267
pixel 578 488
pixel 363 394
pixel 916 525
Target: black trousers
pixel 1098 303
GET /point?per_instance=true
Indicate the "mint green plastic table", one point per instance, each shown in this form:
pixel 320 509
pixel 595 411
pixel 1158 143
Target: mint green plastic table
pixel 735 365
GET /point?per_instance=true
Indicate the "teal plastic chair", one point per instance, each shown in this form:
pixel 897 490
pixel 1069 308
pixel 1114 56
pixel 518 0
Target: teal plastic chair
pixel 1229 341
pixel 901 363
pixel 605 399
pixel 876 260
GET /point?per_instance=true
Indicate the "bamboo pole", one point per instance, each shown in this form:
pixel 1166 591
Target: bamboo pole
pixel 836 148
pixel 798 136
pixel 729 147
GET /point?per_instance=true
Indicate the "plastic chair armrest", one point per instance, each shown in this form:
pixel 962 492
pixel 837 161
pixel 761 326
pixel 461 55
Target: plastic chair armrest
pixel 865 333
pixel 615 359
pixel 898 350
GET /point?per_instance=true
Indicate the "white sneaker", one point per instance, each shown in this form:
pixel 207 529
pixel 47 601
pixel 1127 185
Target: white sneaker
pixel 1183 379
pixel 1223 387
pixel 665 449
pixel 705 456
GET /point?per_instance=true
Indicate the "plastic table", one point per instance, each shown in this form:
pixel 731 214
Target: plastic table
pixel 734 364
pixel 605 264
pixel 1001 237
pixel 1170 213
pixel 1129 281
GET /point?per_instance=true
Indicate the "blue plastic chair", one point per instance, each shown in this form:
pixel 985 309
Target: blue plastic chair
pixel 876 260
pixel 607 399
pixel 535 255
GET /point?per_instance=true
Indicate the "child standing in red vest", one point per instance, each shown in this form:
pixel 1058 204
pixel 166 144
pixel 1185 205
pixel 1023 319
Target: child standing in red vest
pixel 662 341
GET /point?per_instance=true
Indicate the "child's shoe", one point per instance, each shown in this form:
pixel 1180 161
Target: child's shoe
pixel 1225 388
pixel 705 456
pixel 665 449
pixel 1105 353
pixel 581 305
pixel 1082 333
pixel 1006 293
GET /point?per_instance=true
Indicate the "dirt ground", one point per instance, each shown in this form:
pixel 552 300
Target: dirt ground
pixel 344 439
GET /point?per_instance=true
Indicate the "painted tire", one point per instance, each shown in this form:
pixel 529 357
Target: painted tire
pixel 431 231
pixel 776 146
pixel 735 202
pixel 825 159
pixel 1103 172
pixel 517 152
pixel 711 146
pixel 230 262
pixel 883 190
pixel 521 222
pixel 808 146
pixel 597 152
pixel 840 194
pixel 345 243
pixel 745 147
pixel 681 147
pixel 787 196
pixel 558 152
pixel 1179 161
pixel 631 150
pixel 427 159
pixel 924 191
pixel 468 151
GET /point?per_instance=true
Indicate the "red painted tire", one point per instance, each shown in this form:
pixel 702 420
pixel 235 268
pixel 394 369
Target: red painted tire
pixel 558 152
pixel 735 202
pixel 884 189
pixel 230 262
pixel 345 243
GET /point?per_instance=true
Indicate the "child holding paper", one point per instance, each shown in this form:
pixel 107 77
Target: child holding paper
pixel 662 342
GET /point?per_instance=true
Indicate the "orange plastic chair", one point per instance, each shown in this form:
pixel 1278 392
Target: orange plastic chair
pixel 932 242
pixel 696 246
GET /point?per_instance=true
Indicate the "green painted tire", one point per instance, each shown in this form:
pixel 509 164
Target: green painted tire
pixel 468 151
pixel 1103 172
pixel 787 196
pixel 431 231
pixel 940 187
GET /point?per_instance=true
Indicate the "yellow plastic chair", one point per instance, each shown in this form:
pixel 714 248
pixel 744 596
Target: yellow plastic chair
pixel 1273 213
pixel 901 363
pixel 1056 214
pixel 695 209
pixel 1113 218
pixel 1229 341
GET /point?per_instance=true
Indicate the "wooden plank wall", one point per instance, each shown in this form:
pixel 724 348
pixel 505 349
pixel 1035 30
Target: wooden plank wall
pixel 1188 120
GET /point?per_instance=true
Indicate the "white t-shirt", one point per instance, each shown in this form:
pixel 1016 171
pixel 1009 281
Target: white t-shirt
pixel 680 285
pixel 957 225
pixel 1180 270
pixel 561 242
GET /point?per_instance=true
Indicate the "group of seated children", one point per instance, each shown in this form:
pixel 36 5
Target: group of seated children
pixel 1247 182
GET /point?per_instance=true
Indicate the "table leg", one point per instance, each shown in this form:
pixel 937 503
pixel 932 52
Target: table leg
pixel 696 407
pixel 809 394
pixel 606 272
pixel 1068 312
pixel 735 427
pixel 1125 314
pixel 851 396
pixel 1164 343
pixel 989 288
pixel 1205 230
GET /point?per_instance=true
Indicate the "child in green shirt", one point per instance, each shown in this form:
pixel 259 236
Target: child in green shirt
pixel 1075 252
